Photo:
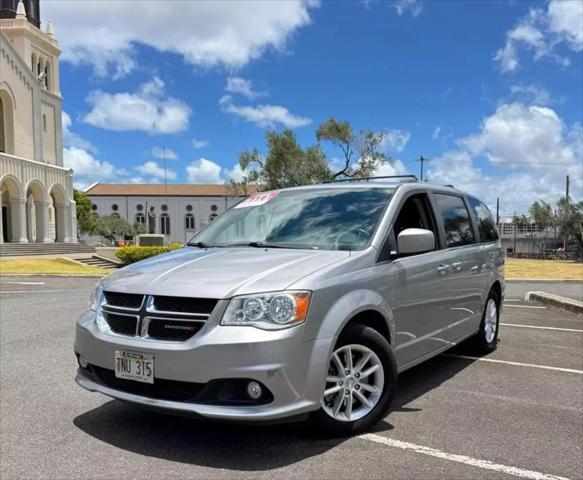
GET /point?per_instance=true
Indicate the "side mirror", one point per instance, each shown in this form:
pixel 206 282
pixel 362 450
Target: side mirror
pixel 415 240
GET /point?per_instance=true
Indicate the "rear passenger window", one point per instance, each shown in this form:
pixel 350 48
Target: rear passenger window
pixel 486 224
pixel 456 220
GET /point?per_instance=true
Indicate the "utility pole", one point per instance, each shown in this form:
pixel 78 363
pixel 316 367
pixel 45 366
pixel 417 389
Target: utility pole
pixel 514 232
pixel 422 159
pixel 567 189
pixel 497 211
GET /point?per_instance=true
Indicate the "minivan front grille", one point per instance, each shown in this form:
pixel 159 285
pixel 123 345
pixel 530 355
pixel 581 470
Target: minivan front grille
pixel 156 317
pixel 172 330
pixel 123 300
pixel 122 324
pixel 184 305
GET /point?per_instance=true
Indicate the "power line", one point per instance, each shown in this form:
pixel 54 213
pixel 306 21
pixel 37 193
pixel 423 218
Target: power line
pixel 422 160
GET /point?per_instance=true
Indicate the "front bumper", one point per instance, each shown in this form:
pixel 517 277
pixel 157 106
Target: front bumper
pixel 292 370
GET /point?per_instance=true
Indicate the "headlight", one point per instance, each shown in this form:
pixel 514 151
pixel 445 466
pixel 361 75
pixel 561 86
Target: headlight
pixel 95 297
pixel 95 301
pixel 268 311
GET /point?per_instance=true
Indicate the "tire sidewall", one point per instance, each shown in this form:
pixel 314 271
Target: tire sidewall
pixel 483 344
pixel 370 338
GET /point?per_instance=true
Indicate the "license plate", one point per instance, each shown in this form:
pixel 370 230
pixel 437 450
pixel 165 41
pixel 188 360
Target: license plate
pixel 134 366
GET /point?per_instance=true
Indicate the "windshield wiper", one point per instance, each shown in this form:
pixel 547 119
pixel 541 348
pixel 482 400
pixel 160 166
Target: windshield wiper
pixel 199 245
pixel 267 245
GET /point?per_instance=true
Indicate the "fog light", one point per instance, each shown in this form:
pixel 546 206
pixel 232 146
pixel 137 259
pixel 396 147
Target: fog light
pixel 83 361
pixel 254 390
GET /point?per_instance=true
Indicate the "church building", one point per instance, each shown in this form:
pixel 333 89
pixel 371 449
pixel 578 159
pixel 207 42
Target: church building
pixel 36 191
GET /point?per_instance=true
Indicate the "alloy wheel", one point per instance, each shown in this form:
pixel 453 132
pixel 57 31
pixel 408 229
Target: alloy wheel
pixel 354 383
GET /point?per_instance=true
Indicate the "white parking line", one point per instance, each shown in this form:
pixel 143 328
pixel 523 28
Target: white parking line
pixel 24 283
pixel 518 364
pixel 542 328
pixel 474 462
pixel 33 291
pixel 524 306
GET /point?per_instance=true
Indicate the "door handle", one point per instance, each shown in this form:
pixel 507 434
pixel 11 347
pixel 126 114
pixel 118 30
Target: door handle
pixel 443 269
pixel 457 266
pixel 474 269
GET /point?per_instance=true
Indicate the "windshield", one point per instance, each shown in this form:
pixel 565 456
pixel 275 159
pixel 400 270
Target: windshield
pixel 318 218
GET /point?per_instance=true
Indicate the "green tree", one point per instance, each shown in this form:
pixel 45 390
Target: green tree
pixel 87 221
pixel 570 222
pixel 543 217
pixel 286 164
pixel 362 153
pixel 113 228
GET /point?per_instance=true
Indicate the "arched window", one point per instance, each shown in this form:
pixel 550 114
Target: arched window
pixel 140 218
pixel 212 217
pixel 94 207
pixel 165 224
pixel 189 221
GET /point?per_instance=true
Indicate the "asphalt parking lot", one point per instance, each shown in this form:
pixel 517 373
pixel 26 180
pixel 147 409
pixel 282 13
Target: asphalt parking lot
pixel 517 413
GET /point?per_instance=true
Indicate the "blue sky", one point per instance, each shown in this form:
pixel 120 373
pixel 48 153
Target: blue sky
pixel 491 92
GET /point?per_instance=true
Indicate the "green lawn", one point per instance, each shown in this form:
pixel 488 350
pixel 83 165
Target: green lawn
pixel 545 269
pixel 58 266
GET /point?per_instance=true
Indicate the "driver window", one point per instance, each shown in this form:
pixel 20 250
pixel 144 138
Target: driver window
pixel 415 213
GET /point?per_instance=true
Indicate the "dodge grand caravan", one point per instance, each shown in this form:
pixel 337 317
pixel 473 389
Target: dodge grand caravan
pixel 301 302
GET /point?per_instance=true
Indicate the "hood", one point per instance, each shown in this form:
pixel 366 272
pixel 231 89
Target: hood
pixel 220 272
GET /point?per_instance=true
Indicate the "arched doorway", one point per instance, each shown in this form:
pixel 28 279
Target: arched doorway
pixel 58 200
pixel 6 123
pixel 36 213
pixel 13 220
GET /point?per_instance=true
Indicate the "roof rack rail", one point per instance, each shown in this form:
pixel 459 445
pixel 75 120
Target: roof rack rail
pixel 449 185
pixel 405 178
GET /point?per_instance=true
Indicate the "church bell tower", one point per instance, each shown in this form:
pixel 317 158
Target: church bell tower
pixel 9 8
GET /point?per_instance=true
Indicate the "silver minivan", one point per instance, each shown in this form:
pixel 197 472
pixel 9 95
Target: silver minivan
pixel 300 302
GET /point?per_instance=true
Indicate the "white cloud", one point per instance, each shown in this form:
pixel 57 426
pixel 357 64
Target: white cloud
pixel 264 116
pixel 149 109
pixel 243 87
pixel 71 139
pixel 436 132
pixel 566 21
pixel 236 173
pixel 159 152
pixel 517 134
pixel 531 94
pixel 395 140
pixel 155 171
pixel 204 171
pixel 531 148
pixel 205 34
pixel 198 143
pixel 541 31
pixel 396 167
pixel 87 169
pixel 404 6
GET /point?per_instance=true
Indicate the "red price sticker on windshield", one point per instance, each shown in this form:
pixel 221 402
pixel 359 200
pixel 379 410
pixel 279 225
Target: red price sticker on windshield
pixel 257 199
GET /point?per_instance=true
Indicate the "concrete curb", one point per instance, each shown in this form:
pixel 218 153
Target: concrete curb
pixel 564 303
pixel 542 280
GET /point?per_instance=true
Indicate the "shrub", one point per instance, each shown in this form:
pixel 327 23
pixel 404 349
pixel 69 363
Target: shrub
pixel 135 254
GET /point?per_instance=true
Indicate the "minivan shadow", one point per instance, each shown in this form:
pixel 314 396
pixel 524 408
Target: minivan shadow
pixel 240 447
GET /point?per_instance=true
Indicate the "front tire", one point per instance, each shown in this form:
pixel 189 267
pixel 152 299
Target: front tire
pixel 360 385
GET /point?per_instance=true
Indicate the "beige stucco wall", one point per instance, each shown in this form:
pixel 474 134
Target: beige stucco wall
pixel 20 90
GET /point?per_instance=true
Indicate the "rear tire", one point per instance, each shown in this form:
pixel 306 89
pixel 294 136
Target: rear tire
pixel 360 386
pixel 485 340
